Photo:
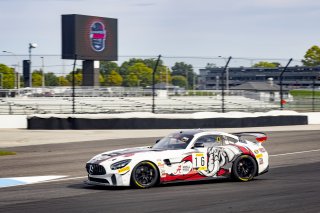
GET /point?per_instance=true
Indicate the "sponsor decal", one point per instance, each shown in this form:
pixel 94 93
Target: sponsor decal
pixel 217 158
pixel 183 168
pixel 199 160
pixel 98 36
pixel 259 155
pixel 262 150
pixel 160 164
pixel 260 161
pixel 256 151
pixel 124 170
pixel 202 168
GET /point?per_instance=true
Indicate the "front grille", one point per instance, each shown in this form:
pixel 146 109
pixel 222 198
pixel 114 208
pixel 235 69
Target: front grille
pixel 95 169
pixel 98 180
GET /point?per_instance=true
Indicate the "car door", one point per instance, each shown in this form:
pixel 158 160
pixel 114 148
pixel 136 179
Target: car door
pixel 208 156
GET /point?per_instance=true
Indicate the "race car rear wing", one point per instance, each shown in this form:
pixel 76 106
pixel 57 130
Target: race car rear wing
pixel 259 136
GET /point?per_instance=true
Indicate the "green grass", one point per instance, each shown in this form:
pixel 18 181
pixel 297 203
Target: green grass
pixel 304 93
pixel 3 153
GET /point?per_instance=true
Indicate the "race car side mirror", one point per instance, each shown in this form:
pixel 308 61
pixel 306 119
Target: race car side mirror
pixel 157 140
pixel 198 145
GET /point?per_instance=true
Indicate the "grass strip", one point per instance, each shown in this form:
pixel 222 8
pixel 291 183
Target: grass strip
pixel 3 153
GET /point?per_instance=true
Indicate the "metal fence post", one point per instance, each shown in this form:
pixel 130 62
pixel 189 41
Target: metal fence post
pixel 73 85
pixel 222 84
pixel 281 87
pixel 153 83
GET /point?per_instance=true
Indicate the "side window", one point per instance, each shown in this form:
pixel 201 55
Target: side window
pixel 210 140
pixel 230 140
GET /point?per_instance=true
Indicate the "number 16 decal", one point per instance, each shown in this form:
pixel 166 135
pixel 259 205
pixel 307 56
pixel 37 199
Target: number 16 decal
pixel 199 161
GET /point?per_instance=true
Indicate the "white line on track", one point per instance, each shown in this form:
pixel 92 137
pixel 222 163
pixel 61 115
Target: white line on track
pixel 294 153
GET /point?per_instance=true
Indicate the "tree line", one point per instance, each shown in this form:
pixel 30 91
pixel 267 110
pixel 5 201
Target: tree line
pixel 136 73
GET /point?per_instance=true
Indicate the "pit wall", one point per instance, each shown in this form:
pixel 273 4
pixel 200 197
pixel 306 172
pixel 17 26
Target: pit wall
pixel 158 121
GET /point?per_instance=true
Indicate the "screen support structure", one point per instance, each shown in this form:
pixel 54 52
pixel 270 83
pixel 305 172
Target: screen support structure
pixel 90 73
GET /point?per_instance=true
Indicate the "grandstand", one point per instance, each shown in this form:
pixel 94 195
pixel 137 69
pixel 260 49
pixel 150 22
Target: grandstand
pixel 111 104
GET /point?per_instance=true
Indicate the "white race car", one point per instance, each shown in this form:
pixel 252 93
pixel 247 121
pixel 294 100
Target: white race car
pixel 182 156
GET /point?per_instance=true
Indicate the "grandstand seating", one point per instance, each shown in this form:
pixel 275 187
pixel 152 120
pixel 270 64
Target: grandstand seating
pixel 172 104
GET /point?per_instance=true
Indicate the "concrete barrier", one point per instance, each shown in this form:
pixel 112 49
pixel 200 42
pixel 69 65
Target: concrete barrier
pixel 13 121
pixel 162 123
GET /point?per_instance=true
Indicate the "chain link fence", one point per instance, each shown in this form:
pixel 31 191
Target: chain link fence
pixel 205 78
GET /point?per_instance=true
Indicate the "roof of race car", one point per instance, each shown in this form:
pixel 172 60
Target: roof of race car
pixel 197 131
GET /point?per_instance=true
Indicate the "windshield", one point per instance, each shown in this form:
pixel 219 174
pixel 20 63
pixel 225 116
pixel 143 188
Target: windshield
pixel 174 141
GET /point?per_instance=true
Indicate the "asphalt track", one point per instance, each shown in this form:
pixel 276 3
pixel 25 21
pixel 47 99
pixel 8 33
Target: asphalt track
pixel 292 184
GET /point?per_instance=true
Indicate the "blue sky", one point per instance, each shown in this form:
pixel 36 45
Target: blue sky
pixel 247 28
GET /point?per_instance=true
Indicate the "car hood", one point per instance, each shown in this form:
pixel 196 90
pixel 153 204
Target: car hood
pixel 120 154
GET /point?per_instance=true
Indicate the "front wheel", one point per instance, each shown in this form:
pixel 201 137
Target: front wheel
pixel 244 168
pixel 144 175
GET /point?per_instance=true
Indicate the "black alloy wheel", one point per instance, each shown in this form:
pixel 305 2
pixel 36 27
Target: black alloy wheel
pixel 144 175
pixel 244 168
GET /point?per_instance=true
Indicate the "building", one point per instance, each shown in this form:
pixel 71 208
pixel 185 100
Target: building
pixel 294 77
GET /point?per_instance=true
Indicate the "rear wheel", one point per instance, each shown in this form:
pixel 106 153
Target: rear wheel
pixel 244 168
pixel 144 175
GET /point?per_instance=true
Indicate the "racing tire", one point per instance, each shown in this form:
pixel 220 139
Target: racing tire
pixel 244 168
pixel 144 175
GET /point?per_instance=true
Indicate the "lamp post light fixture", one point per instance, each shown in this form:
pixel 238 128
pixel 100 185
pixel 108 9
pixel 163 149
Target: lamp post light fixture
pixel 31 46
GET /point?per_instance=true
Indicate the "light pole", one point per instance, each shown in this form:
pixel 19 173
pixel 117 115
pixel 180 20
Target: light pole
pixel 16 72
pixel 31 46
pixel 43 78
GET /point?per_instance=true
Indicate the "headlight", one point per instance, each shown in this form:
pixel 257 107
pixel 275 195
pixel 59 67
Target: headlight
pixel 120 164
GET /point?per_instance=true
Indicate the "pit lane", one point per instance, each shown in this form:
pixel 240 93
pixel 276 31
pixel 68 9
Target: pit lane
pixel 292 184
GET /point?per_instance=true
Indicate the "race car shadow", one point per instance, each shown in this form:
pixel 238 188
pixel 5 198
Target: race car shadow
pixel 93 187
pixel 196 182
pixel 170 184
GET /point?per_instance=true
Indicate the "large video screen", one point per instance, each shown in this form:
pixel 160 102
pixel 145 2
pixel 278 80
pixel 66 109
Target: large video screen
pixel 89 38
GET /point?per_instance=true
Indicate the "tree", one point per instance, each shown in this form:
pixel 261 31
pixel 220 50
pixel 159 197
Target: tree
pixel 124 68
pixel 77 76
pixel 51 79
pixel 210 65
pixel 186 70
pixel 266 64
pixel 6 77
pixel 36 78
pixel 161 74
pixel 101 79
pixel 312 57
pixel 107 66
pixel 63 81
pixel 114 79
pixel 151 63
pixel 179 80
pixel 142 72
pixel 131 80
